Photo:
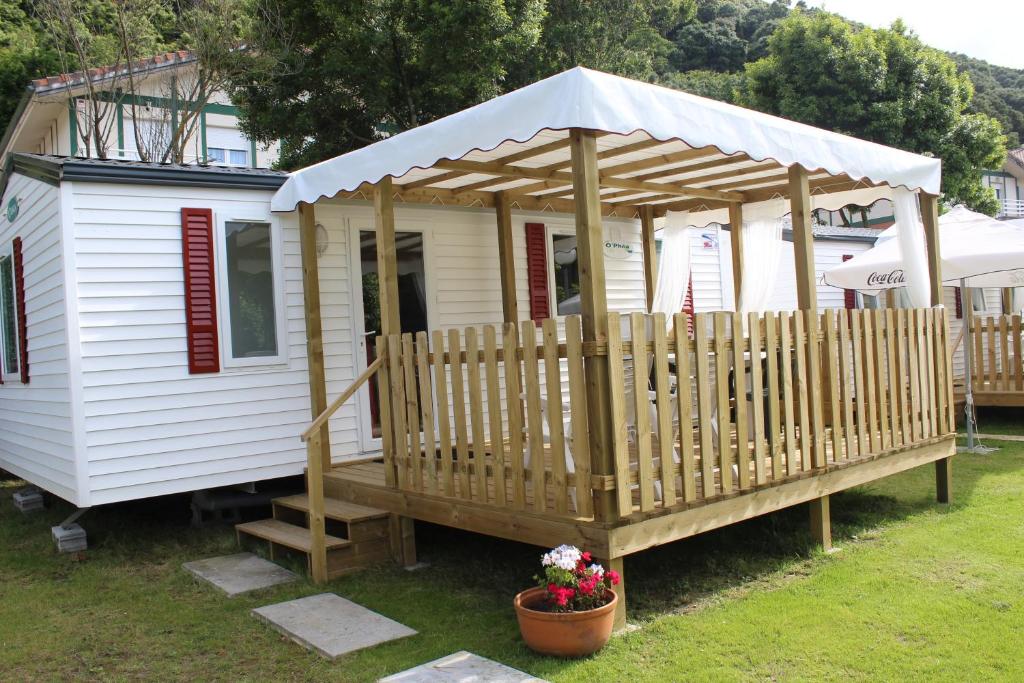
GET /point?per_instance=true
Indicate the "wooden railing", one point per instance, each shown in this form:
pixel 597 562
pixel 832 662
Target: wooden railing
pixel 997 362
pixel 315 472
pixel 472 409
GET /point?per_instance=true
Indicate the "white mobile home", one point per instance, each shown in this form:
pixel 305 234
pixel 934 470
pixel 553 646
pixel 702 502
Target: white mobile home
pixel 116 388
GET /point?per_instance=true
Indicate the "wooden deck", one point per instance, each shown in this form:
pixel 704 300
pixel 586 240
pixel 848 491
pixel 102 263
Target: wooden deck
pixel 997 363
pixel 365 483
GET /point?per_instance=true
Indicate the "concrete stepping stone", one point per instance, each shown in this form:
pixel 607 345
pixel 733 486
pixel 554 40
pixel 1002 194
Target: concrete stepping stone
pixel 331 625
pixel 240 573
pixel 461 667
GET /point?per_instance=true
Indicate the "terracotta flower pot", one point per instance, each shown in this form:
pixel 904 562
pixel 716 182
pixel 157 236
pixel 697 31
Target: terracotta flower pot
pixel 563 634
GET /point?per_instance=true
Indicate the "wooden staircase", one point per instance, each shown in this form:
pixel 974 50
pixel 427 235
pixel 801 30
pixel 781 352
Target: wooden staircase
pixel 356 536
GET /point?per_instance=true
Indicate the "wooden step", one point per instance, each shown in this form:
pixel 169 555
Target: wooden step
pixel 288 535
pixel 338 510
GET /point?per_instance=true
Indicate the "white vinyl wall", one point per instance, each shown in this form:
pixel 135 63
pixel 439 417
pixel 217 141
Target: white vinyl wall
pixel 36 430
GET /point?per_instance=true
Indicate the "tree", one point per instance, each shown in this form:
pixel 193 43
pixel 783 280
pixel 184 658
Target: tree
pixel 881 85
pixel 351 73
pixel 23 56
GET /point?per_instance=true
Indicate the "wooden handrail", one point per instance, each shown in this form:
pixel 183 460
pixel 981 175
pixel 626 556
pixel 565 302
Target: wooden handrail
pixel 345 396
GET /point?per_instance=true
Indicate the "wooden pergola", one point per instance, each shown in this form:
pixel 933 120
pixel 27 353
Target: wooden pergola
pixel 628 492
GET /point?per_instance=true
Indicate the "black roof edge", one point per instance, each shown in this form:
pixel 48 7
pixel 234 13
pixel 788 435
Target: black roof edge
pixel 54 171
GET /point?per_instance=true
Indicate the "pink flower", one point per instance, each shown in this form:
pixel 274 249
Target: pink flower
pixel 613 576
pixel 585 557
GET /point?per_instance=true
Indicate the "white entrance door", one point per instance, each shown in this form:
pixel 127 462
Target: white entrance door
pixel 412 298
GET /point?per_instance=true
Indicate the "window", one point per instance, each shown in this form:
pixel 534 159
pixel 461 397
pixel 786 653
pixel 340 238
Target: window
pixel 227 157
pixel 8 317
pixel 566 274
pixel 253 332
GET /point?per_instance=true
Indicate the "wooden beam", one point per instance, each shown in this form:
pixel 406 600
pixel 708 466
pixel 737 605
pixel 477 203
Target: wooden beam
pixel 803 239
pixel 930 220
pixel 650 252
pixel 944 480
pixel 821 522
pixel 314 327
pixel 594 310
pixel 519 172
pixel 387 258
pixel 506 258
pixel 736 246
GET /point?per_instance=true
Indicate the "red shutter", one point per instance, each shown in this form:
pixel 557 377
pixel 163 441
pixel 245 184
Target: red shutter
pixel 959 304
pixel 849 295
pixel 537 272
pixel 19 297
pixel 200 291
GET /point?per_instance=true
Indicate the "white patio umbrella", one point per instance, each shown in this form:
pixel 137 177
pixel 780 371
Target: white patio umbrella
pixel 977 251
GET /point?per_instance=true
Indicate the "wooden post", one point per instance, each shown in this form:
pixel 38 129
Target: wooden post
pixel 650 251
pixel 1006 296
pixel 314 329
pixel 506 259
pixel 403 540
pixel 736 242
pixel 317 521
pixel 821 522
pixel 594 310
pixel 807 300
pixel 930 220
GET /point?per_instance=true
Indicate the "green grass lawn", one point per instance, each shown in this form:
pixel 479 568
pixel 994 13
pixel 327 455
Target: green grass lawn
pixel 917 591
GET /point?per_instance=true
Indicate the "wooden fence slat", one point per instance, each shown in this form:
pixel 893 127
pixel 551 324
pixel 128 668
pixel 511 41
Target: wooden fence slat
pixel 893 384
pixel 1004 353
pixel 514 412
pixel 1018 359
pixel 883 380
pixel 801 390
pixel 788 398
pixel 663 401
pixel 556 421
pixel 580 443
pixel 387 437
pixel 979 351
pixel 848 370
pixel 941 378
pixel 412 406
pixel 771 348
pixel 684 399
pixel 497 438
pixel 401 434
pixel 903 370
pixel 427 410
pixel 704 417
pixel 617 399
pixel 444 434
pixel 835 398
pixel 930 376
pixel 993 368
pixel 870 381
pixel 722 403
pixel 459 412
pixel 642 411
pixel 816 383
pixel 476 412
pixel 757 394
pixel 739 364
pixel 534 417
pixel 914 367
pixel 857 339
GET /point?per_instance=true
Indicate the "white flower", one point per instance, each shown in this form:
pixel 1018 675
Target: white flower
pixel 597 569
pixel 564 557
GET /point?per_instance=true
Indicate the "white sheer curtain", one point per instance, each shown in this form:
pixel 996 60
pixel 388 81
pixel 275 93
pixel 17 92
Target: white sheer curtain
pixel 762 250
pixel 910 233
pixel 673 266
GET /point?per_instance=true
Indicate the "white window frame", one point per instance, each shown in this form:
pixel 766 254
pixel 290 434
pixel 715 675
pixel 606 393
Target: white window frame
pixel 6 374
pixel 227 159
pixel 551 232
pixel 228 361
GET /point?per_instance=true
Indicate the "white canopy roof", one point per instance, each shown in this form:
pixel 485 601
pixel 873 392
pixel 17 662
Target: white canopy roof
pixel 976 248
pixel 629 112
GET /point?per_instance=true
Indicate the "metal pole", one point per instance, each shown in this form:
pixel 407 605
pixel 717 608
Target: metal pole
pixel 968 361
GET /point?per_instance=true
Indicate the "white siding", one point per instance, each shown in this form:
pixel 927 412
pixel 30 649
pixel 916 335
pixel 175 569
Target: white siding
pixel 151 428
pixel 36 433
